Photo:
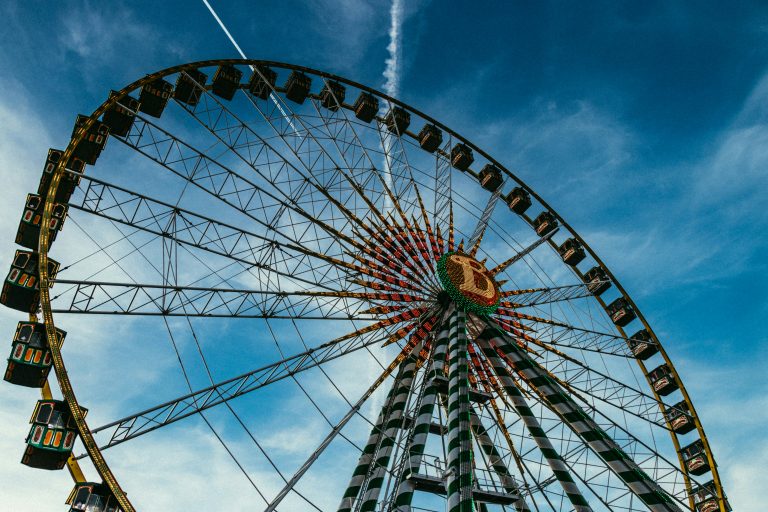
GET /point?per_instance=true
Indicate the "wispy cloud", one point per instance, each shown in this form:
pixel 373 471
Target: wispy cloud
pixel 393 62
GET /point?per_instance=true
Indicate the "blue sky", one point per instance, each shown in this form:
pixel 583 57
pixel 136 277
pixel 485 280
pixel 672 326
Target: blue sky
pixel 644 124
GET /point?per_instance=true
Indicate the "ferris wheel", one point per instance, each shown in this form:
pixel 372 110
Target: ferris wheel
pixel 306 250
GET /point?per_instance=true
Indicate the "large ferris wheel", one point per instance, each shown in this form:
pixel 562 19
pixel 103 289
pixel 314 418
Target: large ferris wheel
pixel 287 235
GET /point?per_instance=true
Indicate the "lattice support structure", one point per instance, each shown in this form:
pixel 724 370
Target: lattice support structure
pixel 460 464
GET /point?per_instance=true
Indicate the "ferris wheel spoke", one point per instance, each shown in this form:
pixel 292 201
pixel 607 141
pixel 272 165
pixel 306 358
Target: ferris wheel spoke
pixel 171 411
pixel 554 460
pixel 214 178
pixel 172 300
pixel 183 226
pixel 561 334
pixel 402 362
pixel 538 296
pixel 496 460
pixel 601 386
pixel 648 491
pixel 299 189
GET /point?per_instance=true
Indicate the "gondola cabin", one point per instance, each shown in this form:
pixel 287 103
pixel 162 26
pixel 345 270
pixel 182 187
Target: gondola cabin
pixel 154 97
pixel 92 144
pixel 29 226
pixel 705 498
pixel 430 137
pixel 69 180
pixel 490 178
pixel 662 380
pixel 297 86
pixel 189 86
pixel 92 497
pixel 21 290
pixel 397 120
pixel 597 280
pixel 518 200
pixel 621 312
pixel 571 251
pixel 461 156
pixel 52 436
pixel 332 95
pixel 30 360
pixel 262 82
pixel 120 116
pixel 695 458
pixel 366 106
pixel 226 81
pixel 679 418
pixel 544 223
pixel 642 345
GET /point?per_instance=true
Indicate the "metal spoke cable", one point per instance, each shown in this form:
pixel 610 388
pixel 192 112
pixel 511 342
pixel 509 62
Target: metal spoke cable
pixel 202 415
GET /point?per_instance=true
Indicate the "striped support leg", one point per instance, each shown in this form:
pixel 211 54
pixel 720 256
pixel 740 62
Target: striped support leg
pixel 556 463
pixel 441 347
pixel 496 460
pixel 459 482
pixel 405 488
pixel 636 480
pixel 366 458
pixel 392 424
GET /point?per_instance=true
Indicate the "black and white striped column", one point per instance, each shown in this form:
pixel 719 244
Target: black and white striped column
pixel 649 492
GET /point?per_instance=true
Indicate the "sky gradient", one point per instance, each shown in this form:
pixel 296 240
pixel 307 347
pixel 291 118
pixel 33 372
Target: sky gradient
pixel 645 125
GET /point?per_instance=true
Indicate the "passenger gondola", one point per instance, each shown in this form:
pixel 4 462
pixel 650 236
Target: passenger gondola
pixel 154 97
pixel 21 290
pixel 662 380
pixel 679 418
pixel 397 120
pixel 92 497
pixel 572 252
pixel 621 312
pixel 695 458
pixel 69 180
pixel 597 280
pixel 490 178
pixel 120 116
pixel 297 86
pixel 262 81
pixel 642 345
pixel 518 200
pixel 190 86
pixel 461 156
pixel 366 106
pixel 430 137
pixel 92 144
pixel 51 437
pixel 544 223
pixel 226 81
pixel 332 95
pixel 705 498
pixel 30 361
pixel 29 227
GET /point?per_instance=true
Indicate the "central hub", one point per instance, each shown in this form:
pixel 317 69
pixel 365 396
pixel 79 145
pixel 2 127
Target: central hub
pixel 468 283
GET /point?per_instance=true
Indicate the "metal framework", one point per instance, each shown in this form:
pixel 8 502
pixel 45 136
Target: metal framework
pixel 323 220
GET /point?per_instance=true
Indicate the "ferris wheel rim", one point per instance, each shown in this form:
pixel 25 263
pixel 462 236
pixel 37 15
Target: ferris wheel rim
pixel 44 240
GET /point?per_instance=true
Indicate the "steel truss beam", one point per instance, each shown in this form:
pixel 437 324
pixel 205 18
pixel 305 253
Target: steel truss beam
pixel 169 300
pixel 182 407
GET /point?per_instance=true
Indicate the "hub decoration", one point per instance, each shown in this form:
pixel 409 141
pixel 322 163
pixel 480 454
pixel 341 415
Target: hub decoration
pixel 469 283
